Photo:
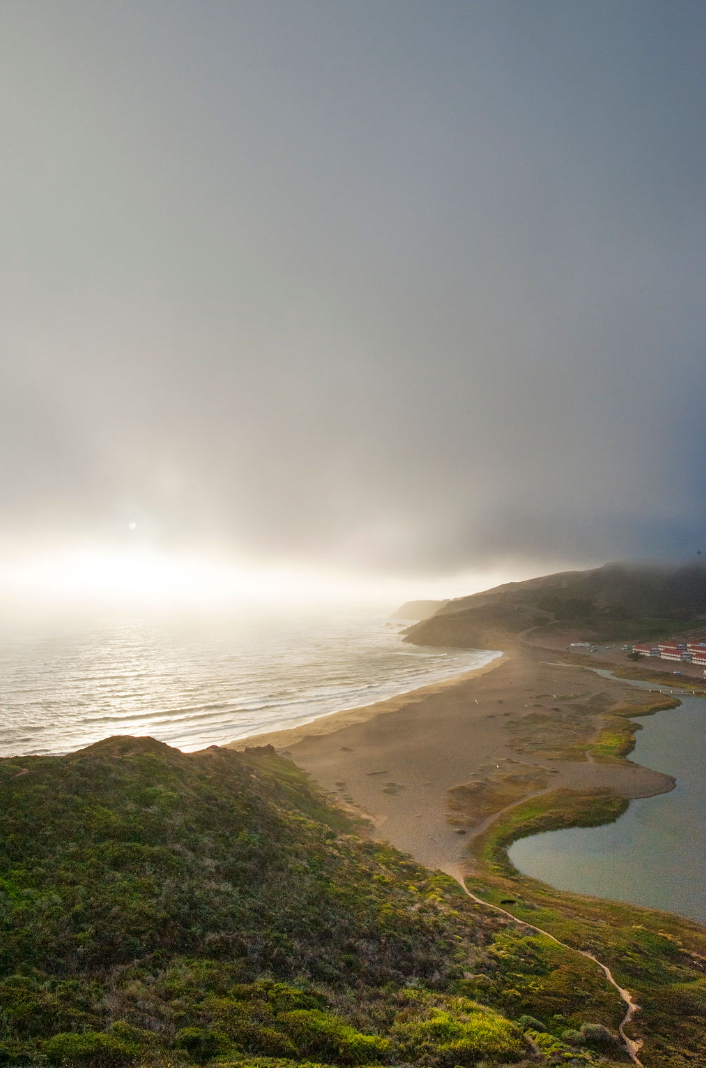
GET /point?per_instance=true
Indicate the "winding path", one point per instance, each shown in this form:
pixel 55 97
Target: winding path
pixel 632 1046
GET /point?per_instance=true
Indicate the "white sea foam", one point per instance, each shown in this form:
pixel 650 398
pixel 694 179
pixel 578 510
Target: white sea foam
pixel 194 683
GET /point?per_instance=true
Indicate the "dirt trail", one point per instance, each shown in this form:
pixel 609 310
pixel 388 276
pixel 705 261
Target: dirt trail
pixel 632 1046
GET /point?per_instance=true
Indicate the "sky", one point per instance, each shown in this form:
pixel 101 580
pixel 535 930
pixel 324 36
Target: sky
pixel 402 290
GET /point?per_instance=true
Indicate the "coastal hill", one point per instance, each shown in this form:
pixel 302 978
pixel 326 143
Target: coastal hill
pixel 418 609
pixel 161 909
pixel 606 603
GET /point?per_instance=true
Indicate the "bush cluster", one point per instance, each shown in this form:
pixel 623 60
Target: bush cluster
pixel 161 909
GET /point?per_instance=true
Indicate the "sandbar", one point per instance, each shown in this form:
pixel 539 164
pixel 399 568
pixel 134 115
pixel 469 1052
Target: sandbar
pixel 395 761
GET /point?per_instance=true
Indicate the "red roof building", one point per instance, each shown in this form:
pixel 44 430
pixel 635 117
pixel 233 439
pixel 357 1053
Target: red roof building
pixel 673 651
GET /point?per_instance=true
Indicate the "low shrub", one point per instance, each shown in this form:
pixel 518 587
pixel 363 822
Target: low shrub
pixel 574 1037
pixel 530 1022
pixel 595 1034
pixel 201 1043
pixel 92 1049
pixel 320 1034
pixel 447 1039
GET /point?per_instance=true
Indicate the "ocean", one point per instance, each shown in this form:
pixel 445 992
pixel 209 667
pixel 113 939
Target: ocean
pixel 201 680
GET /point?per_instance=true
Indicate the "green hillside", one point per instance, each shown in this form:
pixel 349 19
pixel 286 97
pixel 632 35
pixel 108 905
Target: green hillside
pixel 418 609
pixel 606 603
pixel 165 909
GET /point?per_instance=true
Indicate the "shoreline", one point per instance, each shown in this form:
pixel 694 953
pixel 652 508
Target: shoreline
pixel 499 729
pixel 430 769
pixel 639 859
pixel 426 748
pixel 330 722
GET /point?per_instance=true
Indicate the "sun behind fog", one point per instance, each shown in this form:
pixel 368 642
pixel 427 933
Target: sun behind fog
pixel 144 577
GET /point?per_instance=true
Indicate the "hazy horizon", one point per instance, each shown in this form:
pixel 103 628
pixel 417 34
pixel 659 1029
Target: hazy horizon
pixel 384 300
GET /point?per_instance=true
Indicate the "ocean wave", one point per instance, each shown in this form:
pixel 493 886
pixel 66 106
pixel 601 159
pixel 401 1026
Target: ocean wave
pixel 197 689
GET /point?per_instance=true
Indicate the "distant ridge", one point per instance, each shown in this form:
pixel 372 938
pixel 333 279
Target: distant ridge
pixel 418 609
pixel 609 602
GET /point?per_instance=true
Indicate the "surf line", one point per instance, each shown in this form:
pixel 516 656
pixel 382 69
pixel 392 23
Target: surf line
pixel 632 1046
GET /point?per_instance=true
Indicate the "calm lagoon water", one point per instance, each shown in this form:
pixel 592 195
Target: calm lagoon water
pixel 656 853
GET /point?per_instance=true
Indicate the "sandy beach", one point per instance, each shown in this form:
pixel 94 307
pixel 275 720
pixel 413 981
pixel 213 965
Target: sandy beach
pixel 491 736
pixel 335 721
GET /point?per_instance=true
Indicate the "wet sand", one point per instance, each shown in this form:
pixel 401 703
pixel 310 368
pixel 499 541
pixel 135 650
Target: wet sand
pixel 396 761
pixel 335 721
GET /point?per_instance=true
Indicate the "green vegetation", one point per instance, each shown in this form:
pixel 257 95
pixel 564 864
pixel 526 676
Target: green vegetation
pixel 548 812
pixel 649 671
pixel 608 603
pixel 474 801
pixel 569 609
pixel 616 738
pixel 619 625
pixel 659 957
pixel 566 731
pixel 558 728
pixel 161 909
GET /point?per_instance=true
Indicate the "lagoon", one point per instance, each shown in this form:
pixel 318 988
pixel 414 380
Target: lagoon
pixel 655 854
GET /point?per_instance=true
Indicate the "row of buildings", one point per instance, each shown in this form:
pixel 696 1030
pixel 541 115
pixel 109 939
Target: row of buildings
pixel 692 652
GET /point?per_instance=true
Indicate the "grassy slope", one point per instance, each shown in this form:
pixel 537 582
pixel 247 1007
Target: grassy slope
pixel 659 957
pixel 161 908
pixel 607 604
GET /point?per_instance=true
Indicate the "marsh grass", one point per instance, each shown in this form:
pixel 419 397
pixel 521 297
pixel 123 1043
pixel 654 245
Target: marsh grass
pixel 660 957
